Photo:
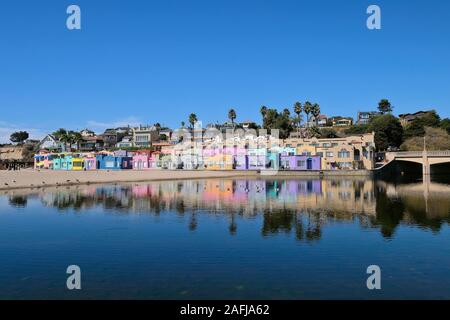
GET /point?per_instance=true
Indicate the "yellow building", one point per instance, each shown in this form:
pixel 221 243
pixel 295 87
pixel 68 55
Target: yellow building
pixel 218 162
pixel 348 153
pixel 77 164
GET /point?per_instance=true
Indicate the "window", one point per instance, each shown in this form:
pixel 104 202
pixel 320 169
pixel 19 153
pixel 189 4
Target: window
pixel 329 154
pixel 109 164
pixel 343 154
pixel 301 163
pixel 326 145
pixel 319 154
pixel 345 165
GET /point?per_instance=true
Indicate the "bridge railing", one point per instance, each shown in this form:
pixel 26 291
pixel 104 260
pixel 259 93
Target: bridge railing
pixel 417 154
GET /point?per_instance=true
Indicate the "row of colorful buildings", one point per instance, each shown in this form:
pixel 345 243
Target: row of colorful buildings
pixel 237 153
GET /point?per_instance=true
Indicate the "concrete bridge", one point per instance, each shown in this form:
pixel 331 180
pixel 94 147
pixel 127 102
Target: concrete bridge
pixel 425 158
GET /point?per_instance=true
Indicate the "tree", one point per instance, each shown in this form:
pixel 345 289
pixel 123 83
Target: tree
pixel 315 110
pixel 358 129
pixel 384 106
pixel 388 132
pixel 269 118
pixel 232 115
pixel 183 124
pixel 162 137
pixel 263 111
pixel 314 132
pixel 65 138
pixel 327 133
pixel 192 119
pixel 280 121
pixel 75 137
pixel 298 109
pixel 445 124
pixel 59 133
pixel 307 108
pixel 19 137
pixel 417 127
pixel 286 112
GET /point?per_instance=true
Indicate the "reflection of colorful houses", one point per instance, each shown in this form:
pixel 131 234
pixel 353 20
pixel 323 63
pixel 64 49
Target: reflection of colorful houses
pixel 215 190
pixel 300 187
pixel 300 162
pixel 110 162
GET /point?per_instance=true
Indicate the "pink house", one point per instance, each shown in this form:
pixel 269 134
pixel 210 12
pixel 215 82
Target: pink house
pixel 141 161
pixel 144 161
pixel 43 161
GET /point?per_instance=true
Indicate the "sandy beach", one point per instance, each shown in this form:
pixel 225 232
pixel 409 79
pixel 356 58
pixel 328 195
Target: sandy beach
pixel 30 178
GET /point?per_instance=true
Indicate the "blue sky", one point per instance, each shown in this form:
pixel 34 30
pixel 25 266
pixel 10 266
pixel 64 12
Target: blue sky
pixel 157 61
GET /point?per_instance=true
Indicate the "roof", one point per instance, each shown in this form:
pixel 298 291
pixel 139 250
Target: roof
pixel 414 114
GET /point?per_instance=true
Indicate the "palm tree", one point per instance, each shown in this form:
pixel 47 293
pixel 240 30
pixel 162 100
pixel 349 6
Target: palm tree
pixel 298 109
pixel 76 137
pixel 263 111
pixel 232 115
pixel 183 124
pixel 64 138
pixel 315 110
pixel 59 133
pixel 286 112
pixel 307 108
pixel 192 119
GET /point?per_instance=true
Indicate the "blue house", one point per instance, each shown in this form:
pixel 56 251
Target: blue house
pixel 63 162
pixel 110 162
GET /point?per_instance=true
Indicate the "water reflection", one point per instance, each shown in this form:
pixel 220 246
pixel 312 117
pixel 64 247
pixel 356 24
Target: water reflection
pixel 300 207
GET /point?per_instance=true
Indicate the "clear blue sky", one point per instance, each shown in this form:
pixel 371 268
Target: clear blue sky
pixel 157 61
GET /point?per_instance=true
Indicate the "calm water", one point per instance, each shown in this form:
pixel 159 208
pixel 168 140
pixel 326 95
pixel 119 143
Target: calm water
pixel 228 239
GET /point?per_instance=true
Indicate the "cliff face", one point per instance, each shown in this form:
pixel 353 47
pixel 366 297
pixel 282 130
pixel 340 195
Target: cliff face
pixel 12 153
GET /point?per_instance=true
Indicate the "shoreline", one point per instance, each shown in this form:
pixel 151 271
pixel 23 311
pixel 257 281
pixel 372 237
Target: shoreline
pixel 30 178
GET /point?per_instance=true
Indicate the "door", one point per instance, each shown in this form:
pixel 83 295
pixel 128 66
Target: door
pixel 309 164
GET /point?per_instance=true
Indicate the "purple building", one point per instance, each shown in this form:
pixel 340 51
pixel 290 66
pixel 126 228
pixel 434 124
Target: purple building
pixel 240 162
pixel 300 162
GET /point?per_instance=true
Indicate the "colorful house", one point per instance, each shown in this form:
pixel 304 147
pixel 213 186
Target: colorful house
pixel 77 163
pixel 300 162
pixel 240 162
pixel 111 162
pixel 63 162
pixel 43 161
pixel 141 161
pixel 273 161
pixel 90 163
pixel 219 162
pixel 257 158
